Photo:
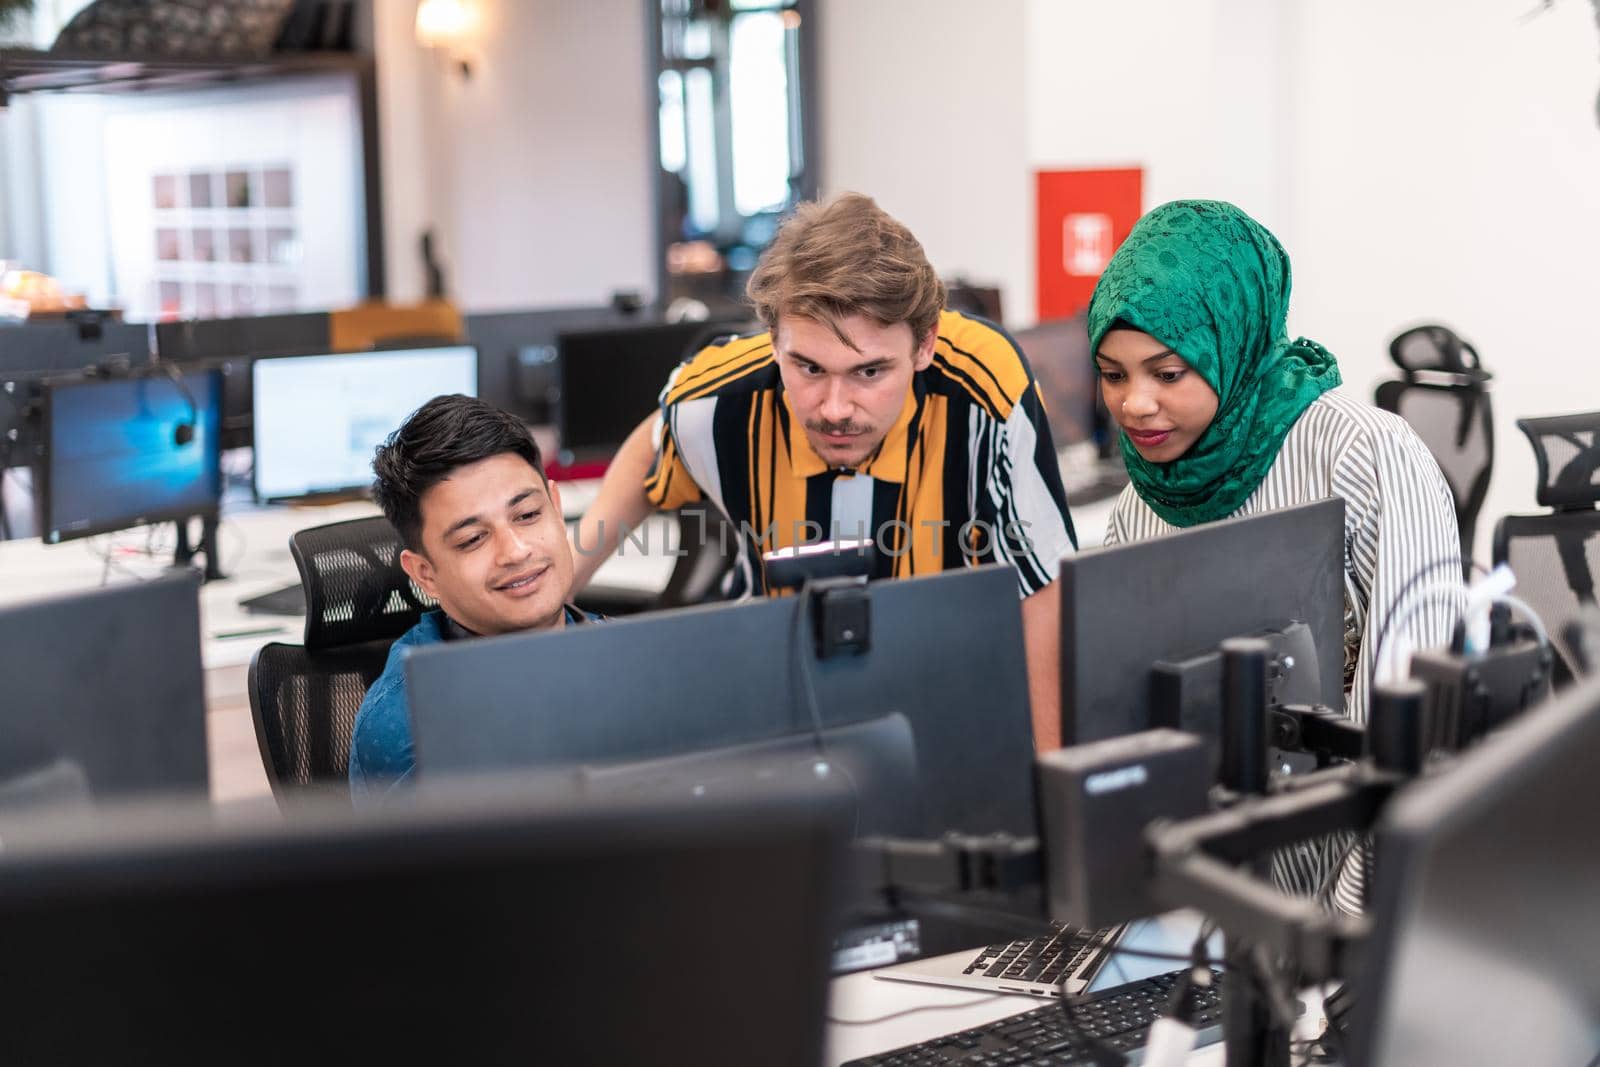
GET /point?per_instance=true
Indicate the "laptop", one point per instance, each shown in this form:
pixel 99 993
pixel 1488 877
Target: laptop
pixel 1065 960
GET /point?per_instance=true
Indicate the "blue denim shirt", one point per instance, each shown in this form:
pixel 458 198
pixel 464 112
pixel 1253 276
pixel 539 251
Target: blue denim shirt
pixel 381 758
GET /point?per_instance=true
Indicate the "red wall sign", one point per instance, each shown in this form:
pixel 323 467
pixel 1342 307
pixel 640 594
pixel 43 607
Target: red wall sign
pixel 1082 217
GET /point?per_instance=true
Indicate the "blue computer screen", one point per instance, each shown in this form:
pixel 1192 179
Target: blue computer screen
pixel 113 458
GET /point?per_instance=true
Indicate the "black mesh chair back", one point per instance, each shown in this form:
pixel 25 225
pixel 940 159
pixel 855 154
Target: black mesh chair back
pixel 1556 556
pixel 1443 395
pixel 355 588
pixel 305 705
pixel 1567 450
pixel 304 698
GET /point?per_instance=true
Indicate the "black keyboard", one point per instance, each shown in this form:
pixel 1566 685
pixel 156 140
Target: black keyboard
pixel 290 600
pixel 1049 1037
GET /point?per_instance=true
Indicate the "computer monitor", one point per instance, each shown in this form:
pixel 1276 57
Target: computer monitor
pixel 1141 622
pixel 122 452
pixel 1058 352
pixel 1485 946
pixel 318 419
pixel 230 345
pixel 517 367
pixel 983 301
pixel 35 351
pixel 106 681
pixel 611 379
pixel 945 660
pixel 482 929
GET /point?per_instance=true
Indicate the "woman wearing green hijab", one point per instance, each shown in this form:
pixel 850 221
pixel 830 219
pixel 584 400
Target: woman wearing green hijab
pixel 1223 415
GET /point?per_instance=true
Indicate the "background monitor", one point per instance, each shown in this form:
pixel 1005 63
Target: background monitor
pixel 33 351
pixel 517 368
pixel 230 345
pixel 476 929
pixel 611 379
pixel 108 682
pixel 1058 352
pixel 1141 622
pixel 1485 946
pixel 945 656
pixel 318 419
pixel 122 452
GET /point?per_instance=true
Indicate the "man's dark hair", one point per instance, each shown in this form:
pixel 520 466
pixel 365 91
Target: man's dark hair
pixel 446 433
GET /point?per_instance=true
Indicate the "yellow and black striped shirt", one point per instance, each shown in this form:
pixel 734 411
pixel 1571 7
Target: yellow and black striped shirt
pixel 967 475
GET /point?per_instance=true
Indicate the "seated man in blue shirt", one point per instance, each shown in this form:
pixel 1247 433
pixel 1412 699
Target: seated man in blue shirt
pixel 463 484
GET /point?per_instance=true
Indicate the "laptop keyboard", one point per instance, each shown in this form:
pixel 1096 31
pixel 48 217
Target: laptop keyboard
pixel 1041 959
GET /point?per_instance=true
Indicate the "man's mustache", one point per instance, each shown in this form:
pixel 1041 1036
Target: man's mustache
pixel 834 427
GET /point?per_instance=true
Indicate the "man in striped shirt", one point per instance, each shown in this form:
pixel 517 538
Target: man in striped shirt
pixel 865 410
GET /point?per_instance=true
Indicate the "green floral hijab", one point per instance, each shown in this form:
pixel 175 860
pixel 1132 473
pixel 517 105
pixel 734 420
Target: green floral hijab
pixel 1212 284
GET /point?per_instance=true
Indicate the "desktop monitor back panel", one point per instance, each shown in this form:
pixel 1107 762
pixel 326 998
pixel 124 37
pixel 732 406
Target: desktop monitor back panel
pixel 108 680
pixel 946 652
pixel 1485 945
pixel 1125 607
pixel 612 379
pixel 492 932
pixel 1058 352
pixel 517 368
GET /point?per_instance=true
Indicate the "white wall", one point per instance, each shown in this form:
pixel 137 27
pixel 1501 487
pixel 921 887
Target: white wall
pixel 1448 169
pixel 1193 91
pixel 536 170
pixel 921 108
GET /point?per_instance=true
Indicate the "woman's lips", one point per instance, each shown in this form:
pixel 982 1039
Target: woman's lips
pixel 1147 438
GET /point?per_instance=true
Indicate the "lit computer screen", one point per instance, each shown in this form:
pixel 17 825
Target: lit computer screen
pixel 123 452
pixel 318 419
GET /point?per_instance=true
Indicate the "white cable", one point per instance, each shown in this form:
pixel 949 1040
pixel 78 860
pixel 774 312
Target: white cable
pixel 1480 596
pixel 1386 670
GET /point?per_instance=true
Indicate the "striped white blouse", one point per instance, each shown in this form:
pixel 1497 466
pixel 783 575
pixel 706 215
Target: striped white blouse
pixel 1402 558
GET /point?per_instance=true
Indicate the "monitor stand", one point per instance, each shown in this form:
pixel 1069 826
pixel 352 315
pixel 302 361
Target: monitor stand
pixel 183 555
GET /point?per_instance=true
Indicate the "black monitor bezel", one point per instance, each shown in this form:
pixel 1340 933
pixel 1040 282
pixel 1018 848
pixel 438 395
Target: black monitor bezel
pixel 44 475
pixel 362 490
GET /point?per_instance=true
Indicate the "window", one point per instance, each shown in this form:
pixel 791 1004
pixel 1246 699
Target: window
pixel 735 130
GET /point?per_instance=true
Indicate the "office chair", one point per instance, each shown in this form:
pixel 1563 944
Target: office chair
pixel 304 698
pixel 1556 555
pixel 1443 394
pixel 709 543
